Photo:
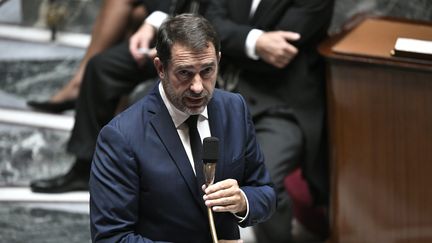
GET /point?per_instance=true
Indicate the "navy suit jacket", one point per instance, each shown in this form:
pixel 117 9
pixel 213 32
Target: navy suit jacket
pixel 142 186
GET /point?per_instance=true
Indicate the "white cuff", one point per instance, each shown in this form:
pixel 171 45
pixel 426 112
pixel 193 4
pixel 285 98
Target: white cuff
pixel 156 19
pixel 251 40
pixel 247 209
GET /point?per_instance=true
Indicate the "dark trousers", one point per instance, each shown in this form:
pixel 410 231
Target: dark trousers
pixel 108 76
pixel 281 141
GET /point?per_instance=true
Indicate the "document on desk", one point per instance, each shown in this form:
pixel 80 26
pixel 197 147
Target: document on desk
pixel 413 48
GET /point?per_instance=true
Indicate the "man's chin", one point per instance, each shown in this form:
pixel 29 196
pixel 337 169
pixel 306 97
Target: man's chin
pixel 195 110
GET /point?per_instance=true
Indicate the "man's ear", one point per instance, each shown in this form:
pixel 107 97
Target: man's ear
pixel 159 67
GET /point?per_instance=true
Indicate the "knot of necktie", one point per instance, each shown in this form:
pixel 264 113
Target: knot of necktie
pixel 192 121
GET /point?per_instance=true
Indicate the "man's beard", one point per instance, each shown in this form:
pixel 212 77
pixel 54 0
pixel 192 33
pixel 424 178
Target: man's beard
pixel 179 100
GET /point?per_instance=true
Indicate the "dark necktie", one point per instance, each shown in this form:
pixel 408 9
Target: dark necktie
pixel 196 146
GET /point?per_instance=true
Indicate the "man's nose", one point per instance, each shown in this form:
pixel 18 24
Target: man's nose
pixel 197 85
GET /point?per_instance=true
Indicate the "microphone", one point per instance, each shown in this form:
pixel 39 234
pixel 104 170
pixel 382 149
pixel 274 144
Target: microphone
pixel 210 158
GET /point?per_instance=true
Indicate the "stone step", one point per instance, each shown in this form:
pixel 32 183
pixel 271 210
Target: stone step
pixel 33 70
pixel 24 194
pixel 43 35
pixel 36 119
pixel 28 153
pixel 44 222
pixel 32 144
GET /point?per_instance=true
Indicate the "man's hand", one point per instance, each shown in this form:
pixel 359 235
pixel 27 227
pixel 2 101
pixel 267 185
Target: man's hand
pixel 139 43
pixel 274 47
pixel 225 196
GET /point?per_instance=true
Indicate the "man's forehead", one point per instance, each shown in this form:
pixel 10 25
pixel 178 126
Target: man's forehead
pixel 183 54
pixel 178 48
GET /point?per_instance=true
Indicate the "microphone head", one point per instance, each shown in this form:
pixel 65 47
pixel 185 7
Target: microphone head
pixel 210 150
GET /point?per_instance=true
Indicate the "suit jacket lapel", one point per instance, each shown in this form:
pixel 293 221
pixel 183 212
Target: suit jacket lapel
pixel 164 127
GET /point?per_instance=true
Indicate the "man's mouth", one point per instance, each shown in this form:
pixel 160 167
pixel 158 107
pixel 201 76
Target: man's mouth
pixel 195 102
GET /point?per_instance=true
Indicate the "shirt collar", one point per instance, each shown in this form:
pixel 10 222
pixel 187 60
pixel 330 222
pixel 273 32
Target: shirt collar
pixel 178 116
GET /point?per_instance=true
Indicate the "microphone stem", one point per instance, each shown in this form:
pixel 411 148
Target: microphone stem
pixel 209 174
pixel 210 156
pixel 212 225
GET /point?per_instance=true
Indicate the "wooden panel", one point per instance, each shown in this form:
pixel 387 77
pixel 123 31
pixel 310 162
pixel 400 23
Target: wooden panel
pixel 380 123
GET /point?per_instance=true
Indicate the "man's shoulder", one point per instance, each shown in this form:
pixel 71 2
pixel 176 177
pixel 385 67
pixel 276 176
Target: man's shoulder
pixel 228 101
pixel 139 112
pixel 222 95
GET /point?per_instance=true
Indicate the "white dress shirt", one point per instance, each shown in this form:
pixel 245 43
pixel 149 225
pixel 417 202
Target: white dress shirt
pixel 253 35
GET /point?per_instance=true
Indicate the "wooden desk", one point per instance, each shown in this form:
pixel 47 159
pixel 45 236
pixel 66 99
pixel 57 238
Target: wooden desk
pixel 380 127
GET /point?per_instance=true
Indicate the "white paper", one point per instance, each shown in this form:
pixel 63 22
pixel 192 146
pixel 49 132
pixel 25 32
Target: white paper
pixel 413 45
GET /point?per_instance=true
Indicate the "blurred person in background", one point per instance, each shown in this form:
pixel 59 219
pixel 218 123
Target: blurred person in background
pixel 269 50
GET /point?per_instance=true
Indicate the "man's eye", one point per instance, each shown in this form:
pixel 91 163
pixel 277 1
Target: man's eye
pixel 207 71
pixel 184 73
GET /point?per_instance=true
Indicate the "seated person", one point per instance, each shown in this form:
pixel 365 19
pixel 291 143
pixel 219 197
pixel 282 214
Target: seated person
pixel 270 57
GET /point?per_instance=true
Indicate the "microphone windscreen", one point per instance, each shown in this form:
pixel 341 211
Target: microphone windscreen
pixel 210 150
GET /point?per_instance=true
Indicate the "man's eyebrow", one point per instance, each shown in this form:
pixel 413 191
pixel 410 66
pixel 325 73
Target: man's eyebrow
pixel 205 65
pixel 183 67
pixel 209 64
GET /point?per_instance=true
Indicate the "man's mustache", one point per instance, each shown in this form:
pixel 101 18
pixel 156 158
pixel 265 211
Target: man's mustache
pixel 201 95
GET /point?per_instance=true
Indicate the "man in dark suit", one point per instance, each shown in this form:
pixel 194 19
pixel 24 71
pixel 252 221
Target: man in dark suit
pixel 108 77
pixel 143 186
pixel 270 57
